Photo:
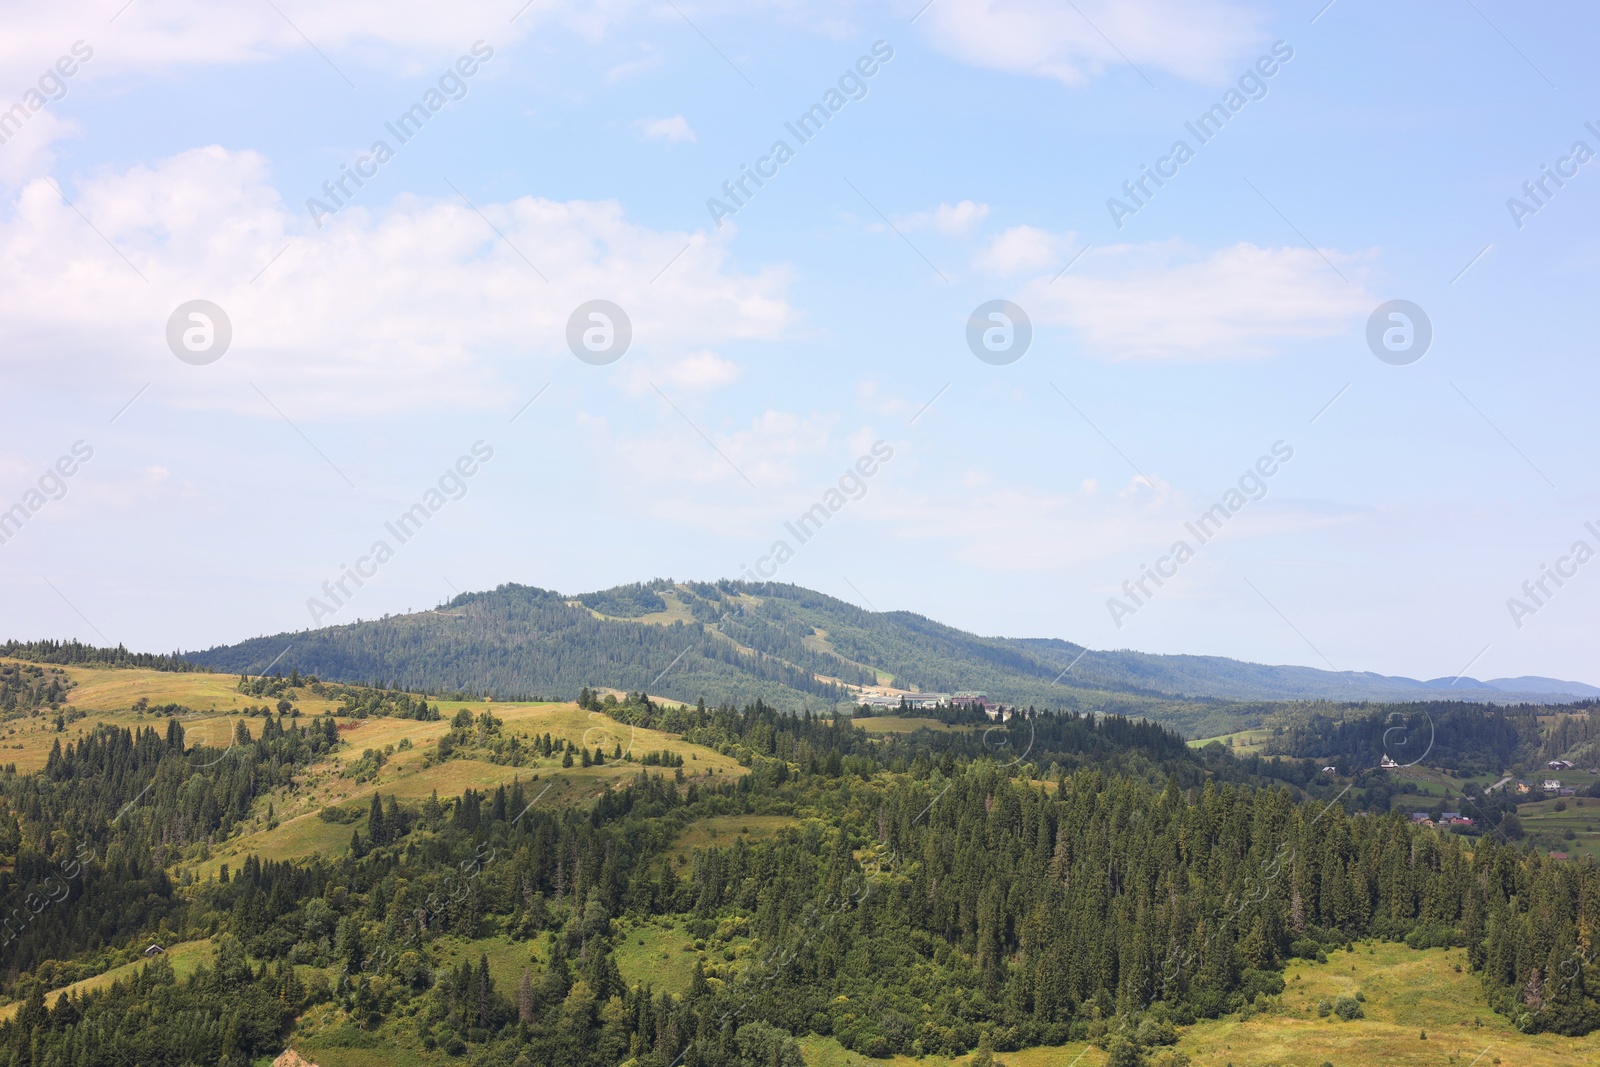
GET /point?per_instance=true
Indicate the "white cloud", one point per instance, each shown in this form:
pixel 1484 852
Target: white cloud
pixel 672 129
pixel 30 151
pixel 1200 40
pixel 774 449
pixel 703 370
pixel 406 305
pixel 1021 248
pixel 1009 527
pixel 1165 301
pixel 953 220
pixel 1196 39
pixel 410 36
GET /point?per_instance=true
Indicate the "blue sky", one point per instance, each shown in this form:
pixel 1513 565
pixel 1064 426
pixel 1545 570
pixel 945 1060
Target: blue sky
pixel 772 348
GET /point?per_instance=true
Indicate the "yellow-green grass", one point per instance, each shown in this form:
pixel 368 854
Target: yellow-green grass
pixel 396 1043
pixel 819 641
pixel 1549 827
pixel 301 832
pixel 405 776
pixel 305 835
pixel 507 958
pixel 1244 741
pixel 396 1046
pixel 675 611
pixel 661 955
pixel 904 724
pixel 1432 784
pixel 27 741
pixel 724 830
pixel 1574 777
pixel 1407 992
pixel 184 958
pixel 116 689
pixel 827 1052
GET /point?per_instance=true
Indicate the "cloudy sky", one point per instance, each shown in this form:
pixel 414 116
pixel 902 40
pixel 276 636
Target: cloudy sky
pixel 393 291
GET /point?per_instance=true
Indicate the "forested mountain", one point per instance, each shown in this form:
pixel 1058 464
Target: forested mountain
pixel 734 641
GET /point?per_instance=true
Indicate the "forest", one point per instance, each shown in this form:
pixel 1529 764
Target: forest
pixel 1064 876
pixel 1463 738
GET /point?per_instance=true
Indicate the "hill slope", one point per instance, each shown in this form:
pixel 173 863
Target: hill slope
pixel 736 641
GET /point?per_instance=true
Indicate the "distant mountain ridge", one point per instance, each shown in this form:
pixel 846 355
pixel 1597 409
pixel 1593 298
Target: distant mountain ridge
pixel 1223 678
pixel 735 641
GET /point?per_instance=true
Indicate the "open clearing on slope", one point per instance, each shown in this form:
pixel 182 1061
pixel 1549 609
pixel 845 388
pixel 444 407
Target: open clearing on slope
pixel 1549 828
pixel 1245 742
pixel 827 1052
pixel 184 958
pixel 905 724
pixel 722 830
pixel 1407 992
pixel 657 952
pixel 301 831
pixel 107 695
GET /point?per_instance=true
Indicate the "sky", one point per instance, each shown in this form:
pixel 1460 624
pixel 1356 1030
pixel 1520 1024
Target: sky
pixel 1016 303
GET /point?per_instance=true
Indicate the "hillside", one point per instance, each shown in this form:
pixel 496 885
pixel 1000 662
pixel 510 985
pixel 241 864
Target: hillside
pixel 795 648
pixel 381 877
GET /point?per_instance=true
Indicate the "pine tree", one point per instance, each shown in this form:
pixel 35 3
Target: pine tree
pixel 377 833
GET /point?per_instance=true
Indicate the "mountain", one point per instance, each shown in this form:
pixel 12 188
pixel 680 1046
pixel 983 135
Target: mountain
pixel 1220 677
pixel 1534 684
pixel 793 647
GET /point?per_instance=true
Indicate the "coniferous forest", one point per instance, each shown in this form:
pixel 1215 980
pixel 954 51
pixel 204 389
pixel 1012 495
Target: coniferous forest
pixel 1061 877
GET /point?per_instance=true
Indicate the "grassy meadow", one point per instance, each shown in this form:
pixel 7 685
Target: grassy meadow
pixel 106 695
pixel 301 831
pixel 905 724
pixel 1549 828
pixel 1244 742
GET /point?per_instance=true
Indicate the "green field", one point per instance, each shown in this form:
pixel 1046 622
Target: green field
pixel 826 1052
pixel 1433 784
pixel 1407 992
pixel 1548 828
pixel 725 829
pixel 903 724
pixel 658 952
pixel 1245 742
pixel 300 832
pixel 507 958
